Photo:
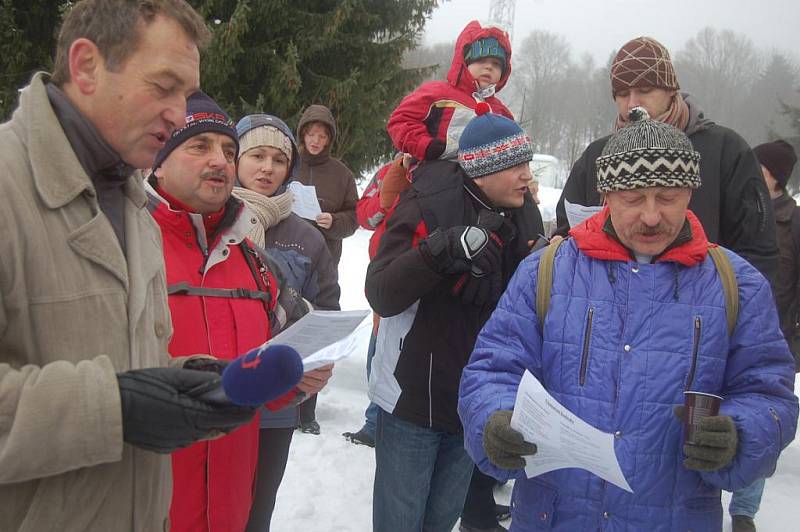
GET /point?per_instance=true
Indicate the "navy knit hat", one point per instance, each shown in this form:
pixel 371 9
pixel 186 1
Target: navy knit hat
pixel 779 157
pixel 491 143
pixel 202 114
pixel 488 47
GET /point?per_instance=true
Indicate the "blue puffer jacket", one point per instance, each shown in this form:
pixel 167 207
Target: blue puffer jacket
pixel 621 342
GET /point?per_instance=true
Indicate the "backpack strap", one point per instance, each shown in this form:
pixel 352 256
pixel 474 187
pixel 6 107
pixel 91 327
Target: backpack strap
pixel 544 282
pixel 722 263
pixel 185 289
pixel 729 284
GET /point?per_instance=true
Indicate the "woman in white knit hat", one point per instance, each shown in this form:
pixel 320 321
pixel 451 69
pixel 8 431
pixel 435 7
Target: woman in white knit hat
pixel 267 159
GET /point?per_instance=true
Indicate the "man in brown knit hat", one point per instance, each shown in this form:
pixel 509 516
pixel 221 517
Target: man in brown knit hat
pixel 733 204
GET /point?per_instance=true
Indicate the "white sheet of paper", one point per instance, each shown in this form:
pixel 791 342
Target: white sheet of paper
pixel 305 203
pixel 562 438
pixel 576 213
pixel 322 336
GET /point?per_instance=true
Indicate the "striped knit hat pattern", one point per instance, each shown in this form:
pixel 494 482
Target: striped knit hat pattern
pixel 492 143
pixel 643 62
pixel 647 153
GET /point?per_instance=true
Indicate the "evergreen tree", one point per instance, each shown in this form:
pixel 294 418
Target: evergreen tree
pixel 280 56
pixel 792 113
pixel 762 114
pixel 27 42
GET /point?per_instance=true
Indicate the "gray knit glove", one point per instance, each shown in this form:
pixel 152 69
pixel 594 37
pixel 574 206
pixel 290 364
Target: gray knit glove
pixel 503 445
pixel 715 446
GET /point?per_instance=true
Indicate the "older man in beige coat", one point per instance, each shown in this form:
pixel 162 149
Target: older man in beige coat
pixel 83 301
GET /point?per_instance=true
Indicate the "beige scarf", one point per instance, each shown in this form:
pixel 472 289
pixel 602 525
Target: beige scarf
pixel 268 210
pixel 677 115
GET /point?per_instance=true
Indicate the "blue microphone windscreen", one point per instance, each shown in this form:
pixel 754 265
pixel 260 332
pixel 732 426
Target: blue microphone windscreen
pixel 262 375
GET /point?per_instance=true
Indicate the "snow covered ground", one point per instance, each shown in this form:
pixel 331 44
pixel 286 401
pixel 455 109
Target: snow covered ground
pixel 328 482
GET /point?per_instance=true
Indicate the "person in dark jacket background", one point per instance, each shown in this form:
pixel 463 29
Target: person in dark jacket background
pixel 732 204
pixel 337 195
pixel 449 248
pixel 334 182
pixel 777 161
pixel 268 156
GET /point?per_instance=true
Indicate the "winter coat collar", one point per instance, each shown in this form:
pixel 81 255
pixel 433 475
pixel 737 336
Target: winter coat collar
pixel 41 139
pixel 593 240
pixel 697 118
pixel 97 157
pixel 232 230
pixel 458 75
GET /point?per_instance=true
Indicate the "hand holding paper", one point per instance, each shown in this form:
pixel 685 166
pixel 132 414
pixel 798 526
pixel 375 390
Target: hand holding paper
pixel 562 438
pixel 305 203
pixel 323 336
pixel 504 446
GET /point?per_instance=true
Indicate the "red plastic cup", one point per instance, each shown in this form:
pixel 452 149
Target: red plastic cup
pixel 697 405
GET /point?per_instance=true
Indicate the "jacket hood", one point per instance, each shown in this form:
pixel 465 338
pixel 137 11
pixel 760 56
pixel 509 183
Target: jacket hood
pixel 316 113
pixel 458 75
pixel 597 244
pixel 697 118
pixel 251 122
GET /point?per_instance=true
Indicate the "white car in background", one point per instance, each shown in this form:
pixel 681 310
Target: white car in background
pixel 550 174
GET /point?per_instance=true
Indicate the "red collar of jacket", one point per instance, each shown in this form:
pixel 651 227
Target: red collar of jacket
pixel 458 75
pixel 210 221
pixel 597 244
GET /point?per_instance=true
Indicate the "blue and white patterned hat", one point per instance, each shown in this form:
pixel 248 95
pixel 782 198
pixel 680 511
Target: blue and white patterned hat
pixel 491 143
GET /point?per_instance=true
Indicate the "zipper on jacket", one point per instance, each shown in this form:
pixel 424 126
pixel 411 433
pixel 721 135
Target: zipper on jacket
pixel 698 327
pixel 430 393
pixel 586 338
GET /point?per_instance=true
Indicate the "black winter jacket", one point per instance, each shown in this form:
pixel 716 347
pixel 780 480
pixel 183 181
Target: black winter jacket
pixel 426 334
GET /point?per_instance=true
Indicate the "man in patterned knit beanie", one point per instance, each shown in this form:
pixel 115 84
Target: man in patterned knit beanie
pixel 637 315
pixel 733 204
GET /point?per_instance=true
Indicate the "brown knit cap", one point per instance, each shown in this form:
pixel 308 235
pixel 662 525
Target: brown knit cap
pixel 642 62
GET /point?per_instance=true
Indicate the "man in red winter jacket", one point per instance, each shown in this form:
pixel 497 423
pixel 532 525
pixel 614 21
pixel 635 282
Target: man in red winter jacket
pixel 428 122
pixel 225 299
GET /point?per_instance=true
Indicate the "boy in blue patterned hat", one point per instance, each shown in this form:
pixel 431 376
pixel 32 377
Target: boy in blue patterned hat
pixel 450 247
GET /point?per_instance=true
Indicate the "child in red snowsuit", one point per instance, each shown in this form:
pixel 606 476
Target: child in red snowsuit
pixel 428 122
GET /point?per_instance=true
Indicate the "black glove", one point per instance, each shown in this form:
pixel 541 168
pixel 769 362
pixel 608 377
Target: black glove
pixel 715 443
pixel 496 223
pixel 460 249
pixel 162 410
pixel 434 150
pixel 503 445
pixel 479 290
pixel 215 365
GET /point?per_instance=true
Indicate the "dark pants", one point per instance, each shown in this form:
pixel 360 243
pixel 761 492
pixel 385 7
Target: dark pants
pixel 307 409
pixel 273 453
pixel 478 509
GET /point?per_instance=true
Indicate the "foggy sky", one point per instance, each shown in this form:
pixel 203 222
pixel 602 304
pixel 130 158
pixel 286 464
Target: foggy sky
pixel 600 26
